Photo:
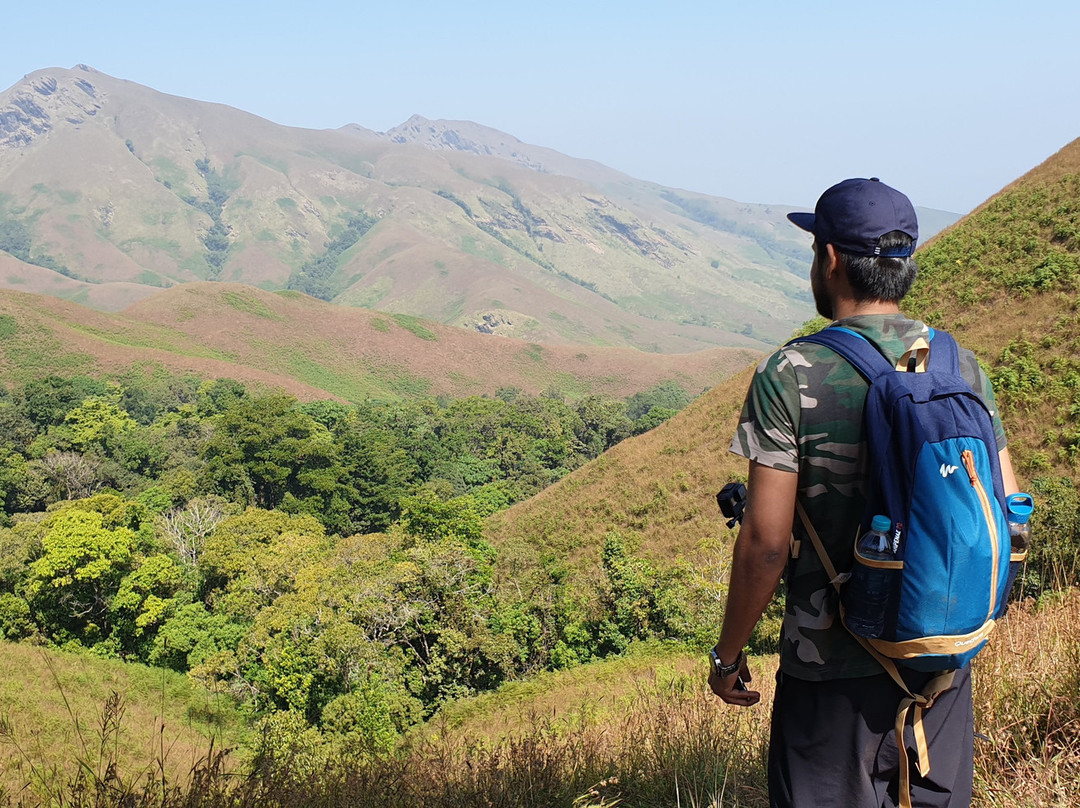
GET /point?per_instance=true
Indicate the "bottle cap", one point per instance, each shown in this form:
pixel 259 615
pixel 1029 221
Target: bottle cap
pixel 881 524
pixel 1020 507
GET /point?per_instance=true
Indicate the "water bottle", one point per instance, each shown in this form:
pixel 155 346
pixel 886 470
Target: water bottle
pixel 1018 512
pixel 866 594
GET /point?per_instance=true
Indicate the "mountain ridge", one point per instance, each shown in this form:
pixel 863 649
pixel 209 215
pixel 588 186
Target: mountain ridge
pixel 110 182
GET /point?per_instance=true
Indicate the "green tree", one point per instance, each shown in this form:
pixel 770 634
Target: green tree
pixel 253 558
pixel 265 452
pixel 71 586
pixel 603 424
pixel 192 635
pixel 144 600
pixel 98 422
pixel 670 395
pixel 16 622
pixel 46 401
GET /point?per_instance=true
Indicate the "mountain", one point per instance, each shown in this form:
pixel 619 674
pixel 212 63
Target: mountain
pixel 1004 280
pixel 112 191
pixel 315 350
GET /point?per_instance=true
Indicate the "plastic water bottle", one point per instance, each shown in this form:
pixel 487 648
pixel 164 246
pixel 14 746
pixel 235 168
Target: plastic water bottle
pixel 1018 512
pixel 866 595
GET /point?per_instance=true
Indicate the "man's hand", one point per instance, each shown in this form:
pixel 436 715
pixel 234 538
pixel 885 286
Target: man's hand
pixel 732 689
pixel 758 560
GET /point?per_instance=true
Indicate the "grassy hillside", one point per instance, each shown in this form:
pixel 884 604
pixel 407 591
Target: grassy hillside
pixel 314 349
pixel 60 711
pixel 1005 281
pixel 113 185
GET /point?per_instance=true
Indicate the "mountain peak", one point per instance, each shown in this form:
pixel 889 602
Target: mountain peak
pixel 35 105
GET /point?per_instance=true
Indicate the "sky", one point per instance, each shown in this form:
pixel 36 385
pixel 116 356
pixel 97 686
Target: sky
pixel 769 101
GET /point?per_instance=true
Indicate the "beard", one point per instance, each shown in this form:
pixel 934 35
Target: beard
pixel 822 303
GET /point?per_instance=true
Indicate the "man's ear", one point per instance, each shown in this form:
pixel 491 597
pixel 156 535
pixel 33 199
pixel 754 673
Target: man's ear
pixel 831 264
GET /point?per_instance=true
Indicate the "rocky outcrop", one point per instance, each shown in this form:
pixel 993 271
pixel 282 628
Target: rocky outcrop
pixel 32 107
pixel 491 322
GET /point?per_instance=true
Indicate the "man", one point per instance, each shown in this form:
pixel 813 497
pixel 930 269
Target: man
pixel 832 740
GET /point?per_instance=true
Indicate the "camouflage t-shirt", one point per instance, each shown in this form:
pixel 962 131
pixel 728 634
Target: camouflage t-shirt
pixel 803 413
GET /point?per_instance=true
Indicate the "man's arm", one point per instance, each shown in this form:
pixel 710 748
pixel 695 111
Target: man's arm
pixel 758 560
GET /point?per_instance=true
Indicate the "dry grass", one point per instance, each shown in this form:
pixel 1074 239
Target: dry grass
pixel 63 717
pixel 1027 702
pixel 594 694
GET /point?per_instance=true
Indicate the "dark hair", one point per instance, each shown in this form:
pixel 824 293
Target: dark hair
pixel 876 278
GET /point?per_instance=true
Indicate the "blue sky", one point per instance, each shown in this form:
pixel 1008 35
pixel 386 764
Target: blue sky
pixel 767 101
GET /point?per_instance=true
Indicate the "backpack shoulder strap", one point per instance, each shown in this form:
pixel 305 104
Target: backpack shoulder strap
pixel 945 353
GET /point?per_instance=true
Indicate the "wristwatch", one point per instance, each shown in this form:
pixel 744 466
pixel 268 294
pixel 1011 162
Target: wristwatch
pixel 722 670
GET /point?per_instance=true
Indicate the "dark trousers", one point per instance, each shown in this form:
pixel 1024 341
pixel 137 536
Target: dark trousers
pixel 833 744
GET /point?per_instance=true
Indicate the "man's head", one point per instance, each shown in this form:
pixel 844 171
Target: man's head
pixel 873 230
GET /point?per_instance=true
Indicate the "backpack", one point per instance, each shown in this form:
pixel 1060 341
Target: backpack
pixel 934 471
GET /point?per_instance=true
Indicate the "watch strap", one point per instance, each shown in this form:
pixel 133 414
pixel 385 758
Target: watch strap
pixel 722 670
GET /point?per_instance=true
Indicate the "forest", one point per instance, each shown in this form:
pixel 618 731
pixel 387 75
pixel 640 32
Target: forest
pixel 322 562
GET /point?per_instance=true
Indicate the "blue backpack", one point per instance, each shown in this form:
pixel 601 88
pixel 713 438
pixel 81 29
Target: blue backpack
pixel 934 470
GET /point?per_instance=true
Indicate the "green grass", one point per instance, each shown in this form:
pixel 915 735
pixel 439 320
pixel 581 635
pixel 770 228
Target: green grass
pixel 168 171
pixel 162 339
pixel 416 327
pixel 369 297
pixel 34 351
pixel 353 386
pixel 454 308
pixel 482 249
pixel 249 305
pixel 356 163
pixel 533 352
pixel 195 264
pixel 408 385
pixel 270 162
pixel 149 278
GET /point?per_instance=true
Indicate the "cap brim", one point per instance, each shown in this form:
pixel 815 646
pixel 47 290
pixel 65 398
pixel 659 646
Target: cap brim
pixel 805 221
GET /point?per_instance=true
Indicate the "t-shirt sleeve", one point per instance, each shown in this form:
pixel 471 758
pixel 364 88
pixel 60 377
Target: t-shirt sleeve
pixel 768 425
pixel 973 373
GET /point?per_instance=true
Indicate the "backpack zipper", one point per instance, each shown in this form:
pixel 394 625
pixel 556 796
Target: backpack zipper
pixel 968 459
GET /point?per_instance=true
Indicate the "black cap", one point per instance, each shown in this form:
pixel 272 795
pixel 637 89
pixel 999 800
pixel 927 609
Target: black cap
pixel 854 214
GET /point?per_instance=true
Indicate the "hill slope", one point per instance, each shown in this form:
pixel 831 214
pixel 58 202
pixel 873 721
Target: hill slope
pixel 114 184
pixel 316 350
pixel 54 705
